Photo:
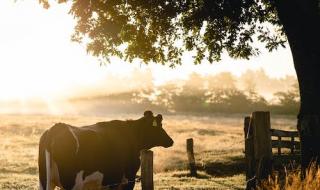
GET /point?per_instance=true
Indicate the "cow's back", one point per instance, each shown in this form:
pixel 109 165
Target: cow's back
pixel 116 136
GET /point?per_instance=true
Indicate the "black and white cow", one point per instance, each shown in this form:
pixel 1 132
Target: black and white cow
pixel 102 154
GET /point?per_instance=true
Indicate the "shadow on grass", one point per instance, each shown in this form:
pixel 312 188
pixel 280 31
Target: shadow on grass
pixel 28 170
pixel 207 132
pixel 234 166
pixel 284 164
pixel 199 176
pixel 286 161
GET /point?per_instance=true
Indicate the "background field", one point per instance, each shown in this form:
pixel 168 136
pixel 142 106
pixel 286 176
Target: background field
pixel 218 143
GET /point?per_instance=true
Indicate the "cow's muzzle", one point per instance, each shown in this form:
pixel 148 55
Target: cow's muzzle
pixel 169 144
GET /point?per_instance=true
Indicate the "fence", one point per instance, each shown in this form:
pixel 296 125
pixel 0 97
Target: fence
pixel 147 170
pixel 259 144
pixel 291 144
pixel 191 159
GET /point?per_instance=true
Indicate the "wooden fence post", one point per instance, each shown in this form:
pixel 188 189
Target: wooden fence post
pixel 262 143
pixel 248 148
pixel 191 159
pixel 279 145
pixel 147 170
pixel 292 145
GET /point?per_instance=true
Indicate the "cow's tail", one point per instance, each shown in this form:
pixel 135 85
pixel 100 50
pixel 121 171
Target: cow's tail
pixel 48 169
pixel 44 161
pixel 44 158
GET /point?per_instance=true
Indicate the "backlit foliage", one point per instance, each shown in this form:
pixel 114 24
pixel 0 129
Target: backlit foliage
pixel 160 31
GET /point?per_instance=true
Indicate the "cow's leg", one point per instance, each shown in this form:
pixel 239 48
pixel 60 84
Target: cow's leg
pixel 67 178
pixel 67 170
pixel 92 181
pixel 130 174
pixel 131 182
pixel 124 183
pixel 112 180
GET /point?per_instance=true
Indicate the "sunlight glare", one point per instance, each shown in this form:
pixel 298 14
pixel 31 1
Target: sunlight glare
pixel 38 59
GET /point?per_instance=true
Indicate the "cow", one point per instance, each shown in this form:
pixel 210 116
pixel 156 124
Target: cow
pixel 104 154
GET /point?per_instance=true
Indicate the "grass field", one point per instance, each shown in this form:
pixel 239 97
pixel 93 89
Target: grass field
pixel 218 147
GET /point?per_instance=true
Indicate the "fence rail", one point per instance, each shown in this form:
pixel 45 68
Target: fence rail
pixel 282 133
pixel 284 144
pixel 291 144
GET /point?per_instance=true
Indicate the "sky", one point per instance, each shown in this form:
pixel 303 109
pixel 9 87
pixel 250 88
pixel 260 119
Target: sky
pixel 38 59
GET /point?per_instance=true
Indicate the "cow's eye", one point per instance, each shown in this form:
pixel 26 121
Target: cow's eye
pixel 154 123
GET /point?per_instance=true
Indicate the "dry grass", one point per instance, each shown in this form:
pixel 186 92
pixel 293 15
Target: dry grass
pixel 218 143
pixel 293 180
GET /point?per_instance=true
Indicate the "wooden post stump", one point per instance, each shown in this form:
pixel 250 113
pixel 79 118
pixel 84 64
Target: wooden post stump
pixel 279 145
pixel 191 159
pixel 147 170
pixel 292 145
pixel 262 143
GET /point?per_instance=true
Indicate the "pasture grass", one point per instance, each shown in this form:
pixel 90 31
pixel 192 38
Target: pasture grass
pixel 218 146
pixel 292 180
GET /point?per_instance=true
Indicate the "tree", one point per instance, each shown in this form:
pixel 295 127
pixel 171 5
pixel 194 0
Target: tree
pixel 224 80
pixel 288 101
pixel 160 31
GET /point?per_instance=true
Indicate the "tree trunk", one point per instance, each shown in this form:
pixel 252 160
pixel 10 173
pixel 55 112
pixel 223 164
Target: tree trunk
pixel 301 21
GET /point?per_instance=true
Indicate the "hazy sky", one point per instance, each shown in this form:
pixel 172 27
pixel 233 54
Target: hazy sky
pixel 37 58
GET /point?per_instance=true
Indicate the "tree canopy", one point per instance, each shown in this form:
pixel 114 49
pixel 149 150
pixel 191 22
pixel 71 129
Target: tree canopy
pixel 160 31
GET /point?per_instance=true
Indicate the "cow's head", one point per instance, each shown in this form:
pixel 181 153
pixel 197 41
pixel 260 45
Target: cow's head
pixel 152 133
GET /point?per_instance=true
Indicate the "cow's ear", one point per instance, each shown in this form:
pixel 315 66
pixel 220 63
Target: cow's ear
pixel 148 114
pixel 159 118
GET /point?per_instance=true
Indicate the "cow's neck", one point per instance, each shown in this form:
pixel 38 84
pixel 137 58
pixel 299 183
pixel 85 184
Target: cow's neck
pixel 137 131
pixel 135 135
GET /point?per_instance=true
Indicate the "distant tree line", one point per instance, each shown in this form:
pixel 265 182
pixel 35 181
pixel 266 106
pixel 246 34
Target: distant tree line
pixel 220 93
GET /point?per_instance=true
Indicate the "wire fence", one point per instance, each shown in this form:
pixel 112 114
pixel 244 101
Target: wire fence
pixel 114 185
